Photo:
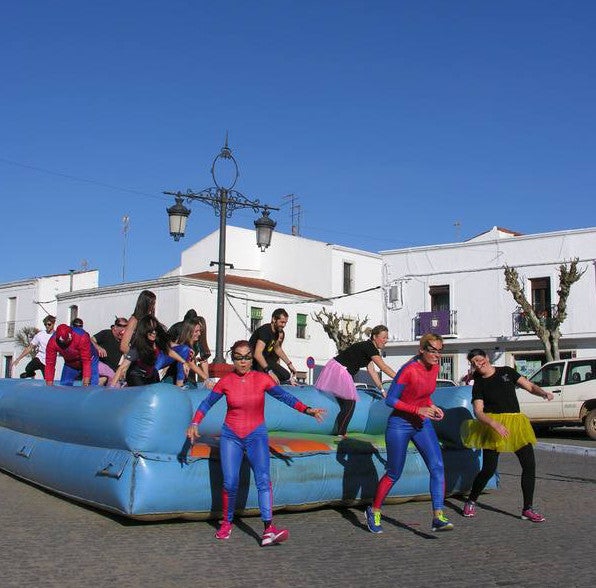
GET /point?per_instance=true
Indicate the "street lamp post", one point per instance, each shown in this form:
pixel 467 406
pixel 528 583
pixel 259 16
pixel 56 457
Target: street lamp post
pixel 224 200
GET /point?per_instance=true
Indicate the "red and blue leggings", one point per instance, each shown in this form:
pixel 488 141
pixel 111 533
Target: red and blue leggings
pixel 232 449
pixel 399 433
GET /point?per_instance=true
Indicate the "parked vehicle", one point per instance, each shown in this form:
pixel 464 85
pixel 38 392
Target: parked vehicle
pixel 573 383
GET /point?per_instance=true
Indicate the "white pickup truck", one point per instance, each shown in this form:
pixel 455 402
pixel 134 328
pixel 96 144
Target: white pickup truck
pixel 573 383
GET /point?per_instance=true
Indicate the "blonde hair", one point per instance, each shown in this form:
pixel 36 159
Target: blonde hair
pixel 426 339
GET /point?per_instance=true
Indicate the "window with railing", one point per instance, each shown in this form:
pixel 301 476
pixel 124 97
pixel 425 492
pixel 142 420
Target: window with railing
pixel 11 312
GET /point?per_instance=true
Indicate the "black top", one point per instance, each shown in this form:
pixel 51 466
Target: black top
pixel 357 355
pixel 497 391
pixel 264 333
pixel 107 340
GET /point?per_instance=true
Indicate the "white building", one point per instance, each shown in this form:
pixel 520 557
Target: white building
pixel 458 291
pixel 26 302
pixel 298 274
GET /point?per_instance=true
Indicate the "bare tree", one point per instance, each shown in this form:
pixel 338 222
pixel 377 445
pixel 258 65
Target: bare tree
pixel 24 337
pixel 343 330
pixel 547 328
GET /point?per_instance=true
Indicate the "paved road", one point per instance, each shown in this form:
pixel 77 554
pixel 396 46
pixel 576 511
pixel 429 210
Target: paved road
pixel 49 541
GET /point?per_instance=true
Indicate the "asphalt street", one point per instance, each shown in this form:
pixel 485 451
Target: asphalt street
pixel 50 541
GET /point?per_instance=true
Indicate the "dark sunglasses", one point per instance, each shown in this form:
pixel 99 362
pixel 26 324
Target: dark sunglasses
pixel 48 324
pixel 152 332
pixel 121 326
pixel 242 357
pixel 433 350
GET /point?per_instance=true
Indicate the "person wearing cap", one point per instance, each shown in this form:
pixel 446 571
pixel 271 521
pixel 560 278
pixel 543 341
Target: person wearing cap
pixel 74 345
pixel 38 344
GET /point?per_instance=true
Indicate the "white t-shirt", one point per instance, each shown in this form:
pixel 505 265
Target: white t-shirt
pixel 40 340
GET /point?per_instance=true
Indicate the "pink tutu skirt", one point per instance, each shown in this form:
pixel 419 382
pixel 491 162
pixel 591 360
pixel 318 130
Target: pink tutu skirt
pixel 336 380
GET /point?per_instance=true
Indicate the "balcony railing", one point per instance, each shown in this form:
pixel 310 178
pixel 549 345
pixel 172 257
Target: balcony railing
pixel 521 324
pixel 441 322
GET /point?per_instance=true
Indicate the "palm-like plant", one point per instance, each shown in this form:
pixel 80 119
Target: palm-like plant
pixel 24 337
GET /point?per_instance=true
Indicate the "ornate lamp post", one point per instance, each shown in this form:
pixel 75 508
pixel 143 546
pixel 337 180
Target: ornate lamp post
pixel 224 200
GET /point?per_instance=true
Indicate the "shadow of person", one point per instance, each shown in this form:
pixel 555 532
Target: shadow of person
pixel 360 476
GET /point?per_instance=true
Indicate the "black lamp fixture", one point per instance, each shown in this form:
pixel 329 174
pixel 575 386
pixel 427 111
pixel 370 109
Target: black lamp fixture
pixel 224 200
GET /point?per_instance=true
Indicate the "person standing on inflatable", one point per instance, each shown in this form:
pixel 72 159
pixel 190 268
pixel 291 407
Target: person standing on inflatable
pixel 413 410
pixel 337 377
pixel 266 343
pixel 75 348
pixel 244 431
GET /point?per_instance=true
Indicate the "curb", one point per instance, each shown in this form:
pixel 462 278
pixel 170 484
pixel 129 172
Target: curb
pixel 573 449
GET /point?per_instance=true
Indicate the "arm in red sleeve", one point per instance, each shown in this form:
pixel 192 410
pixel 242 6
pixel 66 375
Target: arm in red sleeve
pixel 85 351
pixel 50 369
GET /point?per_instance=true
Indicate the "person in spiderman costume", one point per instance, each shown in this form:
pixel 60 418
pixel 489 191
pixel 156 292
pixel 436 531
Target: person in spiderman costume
pixel 74 345
pixel 244 431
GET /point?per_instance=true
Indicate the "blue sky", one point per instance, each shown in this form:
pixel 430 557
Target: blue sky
pixel 390 121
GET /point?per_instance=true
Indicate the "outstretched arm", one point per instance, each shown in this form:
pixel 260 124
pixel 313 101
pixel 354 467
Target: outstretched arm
pixel 534 389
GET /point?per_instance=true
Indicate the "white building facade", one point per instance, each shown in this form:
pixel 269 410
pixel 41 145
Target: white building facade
pixel 458 290
pixel 25 303
pixel 301 275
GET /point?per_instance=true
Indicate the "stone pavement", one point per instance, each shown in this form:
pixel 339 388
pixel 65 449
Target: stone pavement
pixel 49 541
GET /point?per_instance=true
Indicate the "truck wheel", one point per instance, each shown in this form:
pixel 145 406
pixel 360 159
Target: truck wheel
pixel 590 424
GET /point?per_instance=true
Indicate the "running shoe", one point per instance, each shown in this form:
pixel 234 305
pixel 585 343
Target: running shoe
pixel 373 520
pixel 441 523
pixel 224 531
pixel 271 536
pixel 529 514
pixel 469 508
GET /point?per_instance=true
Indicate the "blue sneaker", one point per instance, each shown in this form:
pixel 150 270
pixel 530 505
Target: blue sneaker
pixel 441 523
pixel 373 520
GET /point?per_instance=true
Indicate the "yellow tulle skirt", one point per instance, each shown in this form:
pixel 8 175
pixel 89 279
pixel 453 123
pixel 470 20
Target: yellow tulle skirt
pixel 477 435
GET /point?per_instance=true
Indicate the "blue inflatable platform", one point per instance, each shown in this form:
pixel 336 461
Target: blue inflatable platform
pixel 125 451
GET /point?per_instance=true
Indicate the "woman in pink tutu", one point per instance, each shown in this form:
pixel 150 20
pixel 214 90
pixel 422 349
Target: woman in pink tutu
pixel 337 377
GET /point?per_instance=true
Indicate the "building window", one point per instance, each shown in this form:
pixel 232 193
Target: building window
pixel 74 313
pixel 256 318
pixel 11 313
pixel 300 326
pixel 446 371
pixel 7 366
pixel 439 298
pixel 541 303
pixel 348 278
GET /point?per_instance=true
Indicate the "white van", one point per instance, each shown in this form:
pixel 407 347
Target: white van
pixel 573 383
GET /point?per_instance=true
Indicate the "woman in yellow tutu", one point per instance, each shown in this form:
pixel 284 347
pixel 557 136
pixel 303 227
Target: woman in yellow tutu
pixel 500 426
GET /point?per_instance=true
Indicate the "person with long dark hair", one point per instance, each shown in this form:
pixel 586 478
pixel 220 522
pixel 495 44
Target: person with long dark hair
pixel 144 306
pixel 149 345
pixel 500 427
pixel 337 377
pixel 244 432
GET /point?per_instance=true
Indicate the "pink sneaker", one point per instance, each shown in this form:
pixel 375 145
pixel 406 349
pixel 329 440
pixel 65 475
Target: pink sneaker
pixel 469 508
pixel 271 536
pixel 529 514
pixel 224 531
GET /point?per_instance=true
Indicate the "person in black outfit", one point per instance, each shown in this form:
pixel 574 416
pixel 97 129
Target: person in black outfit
pixel 500 427
pixel 337 377
pixel 266 345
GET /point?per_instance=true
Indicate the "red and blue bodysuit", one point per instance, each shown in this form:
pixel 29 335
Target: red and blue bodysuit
pixel 411 389
pixel 244 431
pixel 80 359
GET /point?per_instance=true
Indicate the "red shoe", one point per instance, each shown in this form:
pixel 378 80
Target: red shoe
pixel 529 514
pixel 271 536
pixel 224 531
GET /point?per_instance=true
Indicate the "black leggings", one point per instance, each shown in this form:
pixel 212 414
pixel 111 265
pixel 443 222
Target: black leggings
pixel 490 459
pixel 34 365
pixel 346 411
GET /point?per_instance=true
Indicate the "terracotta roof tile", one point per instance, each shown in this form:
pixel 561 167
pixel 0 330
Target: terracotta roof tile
pixel 233 280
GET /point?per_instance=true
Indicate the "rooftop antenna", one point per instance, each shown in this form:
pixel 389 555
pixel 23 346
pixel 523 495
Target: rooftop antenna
pixel 125 228
pixel 457 226
pixel 295 212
